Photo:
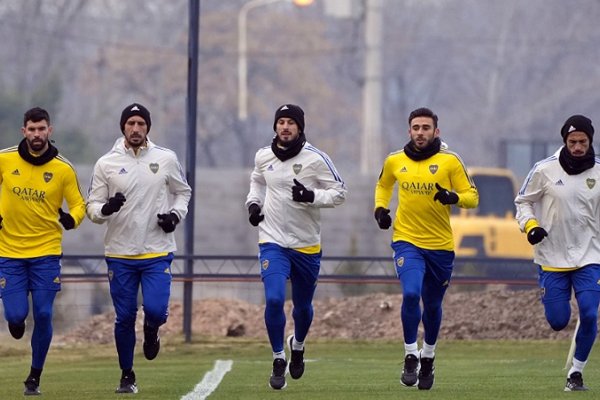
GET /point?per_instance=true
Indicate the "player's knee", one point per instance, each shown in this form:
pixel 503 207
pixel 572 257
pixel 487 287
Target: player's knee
pixel 155 316
pixel 14 316
pixel 126 320
pixel 303 312
pixel 589 317
pixel 411 299
pixel 557 323
pixel 274 302
pixel 43 316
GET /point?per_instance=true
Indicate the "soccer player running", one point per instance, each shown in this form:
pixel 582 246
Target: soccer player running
pixel 139 189
pixel 291 181
pixel 558 207
pixel 35 179
pixel 430 180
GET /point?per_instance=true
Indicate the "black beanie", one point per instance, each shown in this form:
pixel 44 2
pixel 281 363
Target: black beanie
pixel 135 109
pixel 290 111
pixel 577 123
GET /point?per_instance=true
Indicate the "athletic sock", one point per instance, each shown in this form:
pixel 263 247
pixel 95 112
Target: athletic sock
pixel 411 348
pixel 297 345
pixel 577 366
pixel 428 350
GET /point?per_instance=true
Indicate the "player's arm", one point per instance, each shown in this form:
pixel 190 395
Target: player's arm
pixel 531 192
pixel 385 184
pixel 463 185
pixel 74 197
pixel 179 188
pixel 258 184
pixel 383 194
pixel 330 190
pixel 97 195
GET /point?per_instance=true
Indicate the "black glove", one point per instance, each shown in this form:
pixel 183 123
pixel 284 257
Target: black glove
pixel 168 221
pixel 255 215
pixel 536 235
pixel 301 193
pixel 445 196
pixel 382 216
pixel 65 219
pixel 114 204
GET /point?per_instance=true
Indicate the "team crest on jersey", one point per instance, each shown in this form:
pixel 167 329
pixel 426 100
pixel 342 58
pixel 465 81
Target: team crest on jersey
pixel 433 169
pixel 2 283
pixel 48 176
pixel 590 182
pixel 297 168
pixel 400 262
pixel 264 265
pixel 154 167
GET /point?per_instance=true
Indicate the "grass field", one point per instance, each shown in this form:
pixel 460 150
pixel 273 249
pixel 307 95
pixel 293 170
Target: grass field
pixel 335 370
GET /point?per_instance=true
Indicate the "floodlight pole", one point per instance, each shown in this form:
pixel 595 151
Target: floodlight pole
pixel 191 117
pixel 243 49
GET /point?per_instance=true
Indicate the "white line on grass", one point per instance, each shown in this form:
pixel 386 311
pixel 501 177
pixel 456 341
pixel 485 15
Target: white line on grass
pixel 210 381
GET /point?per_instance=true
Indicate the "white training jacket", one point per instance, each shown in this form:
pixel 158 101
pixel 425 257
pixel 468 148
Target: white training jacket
pixel 288 223
pixel 153 183
pixel 568 208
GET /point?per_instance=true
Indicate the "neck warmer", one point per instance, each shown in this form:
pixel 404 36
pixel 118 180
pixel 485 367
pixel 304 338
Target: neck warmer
pixel 419 155
pixel 576 165
pixel 48 155
pixel 291 151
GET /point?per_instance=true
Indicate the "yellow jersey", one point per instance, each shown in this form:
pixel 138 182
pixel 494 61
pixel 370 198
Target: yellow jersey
pixel 419 219
pixel 30 196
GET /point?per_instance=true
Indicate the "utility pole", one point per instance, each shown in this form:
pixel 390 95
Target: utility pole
pixel 191 114
pixel 370 156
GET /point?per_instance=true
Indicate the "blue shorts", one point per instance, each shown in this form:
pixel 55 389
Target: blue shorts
pixel 556 286
pixel 275 259
pixel 128 272
pixel 25 274
pixel 435 265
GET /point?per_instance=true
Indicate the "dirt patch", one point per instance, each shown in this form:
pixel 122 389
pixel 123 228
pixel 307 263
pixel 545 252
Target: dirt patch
pixel 488 314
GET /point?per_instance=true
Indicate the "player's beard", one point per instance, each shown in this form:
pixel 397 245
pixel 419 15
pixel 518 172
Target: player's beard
pixel 135 142
pixel 423 145
pixel 37 144
pixel 286 143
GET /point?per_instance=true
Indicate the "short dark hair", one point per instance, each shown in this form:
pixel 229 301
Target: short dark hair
pixel 36 114
pixel 423 112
